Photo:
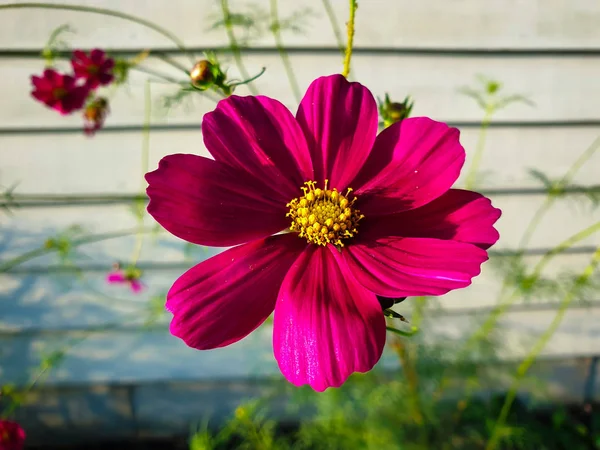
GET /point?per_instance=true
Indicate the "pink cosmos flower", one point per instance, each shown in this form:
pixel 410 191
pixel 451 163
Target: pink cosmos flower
pixel 368 215
pixel 96 69
pixel 12 436
pixel 130 276
pixel 58 91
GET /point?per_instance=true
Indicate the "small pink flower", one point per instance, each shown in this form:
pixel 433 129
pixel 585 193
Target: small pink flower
pixel 367 215
pixel 12 436
pixel 96 69
pixel 58 91
pixel 94 115
pixel 130 276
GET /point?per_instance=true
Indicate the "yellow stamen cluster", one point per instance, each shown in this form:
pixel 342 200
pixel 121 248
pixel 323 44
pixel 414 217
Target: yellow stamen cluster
pixel 324 216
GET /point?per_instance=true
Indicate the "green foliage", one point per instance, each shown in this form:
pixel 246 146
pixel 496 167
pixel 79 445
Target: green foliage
pixel 557 188
pixel 487 93
pixel 8 199
pixel 372 411
pixel 392 112
pixel 251 22
pixel 56 44
pixel 434 400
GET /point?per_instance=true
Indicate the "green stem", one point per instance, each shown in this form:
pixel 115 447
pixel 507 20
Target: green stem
pixel 249 80
pixel 139 237
pixel 350 38
pixel 506 301
pixel 166 78
pixel 550 199
pixel 412 332
pixel 234 46
pixel 36 253
pixel 501 308
pixel 417 317
pixel 105 12
pixel 537 349
pixel 276 29
pixel 172 62
pixel 412 380
pixel 337 31
pixel 45 369
pixel 472 172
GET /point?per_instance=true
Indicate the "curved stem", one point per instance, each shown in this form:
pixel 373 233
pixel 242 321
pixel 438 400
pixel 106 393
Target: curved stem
pixel 350 38
pixel 550 199
pixel 172 62
pixel 506 301
pixel 412 332
pixel 105 12
pixel 276 30
pixel 535 275
pixel 36 253
pixel 249 80
pixel 537 348
pixel 472 173
pixel 334 25
pixel 412 380
pixel 165 78
pixel 234 46
pixel 139 237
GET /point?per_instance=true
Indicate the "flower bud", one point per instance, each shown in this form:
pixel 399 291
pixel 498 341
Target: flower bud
pixel 392 112
pixel 202 72
pixel 95 114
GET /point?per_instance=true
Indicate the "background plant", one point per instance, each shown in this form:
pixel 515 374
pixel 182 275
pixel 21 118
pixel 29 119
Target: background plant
pixel 433 397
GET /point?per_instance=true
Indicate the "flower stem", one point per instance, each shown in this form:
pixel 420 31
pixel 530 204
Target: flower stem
pixel 158 75
pixel 413 386
pixel 139 237
pixel 538 347
pixel 550 199
pixel 505 301
pixel 249 80
pixel 36 253
pixel 334 25
pixel 503 305
pixel 350 38
pixel 173 63
pixel 485 123
pixel 105 12
pixel 234 46
pixel 276 30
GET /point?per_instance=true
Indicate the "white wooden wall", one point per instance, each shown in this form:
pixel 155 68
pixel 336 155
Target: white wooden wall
pixel 548 50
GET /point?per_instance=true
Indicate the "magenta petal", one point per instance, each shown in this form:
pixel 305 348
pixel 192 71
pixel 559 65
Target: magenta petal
pixel 136 286
pixel 79 54
pixel 223 299
pixel 412 163
pixel 97 56
pixel 116 277
pixel 457 215
pixel 339 120
pixel 404 267
pixel 326 324
pixel 210 203
pixel 260 136
pixel 52 75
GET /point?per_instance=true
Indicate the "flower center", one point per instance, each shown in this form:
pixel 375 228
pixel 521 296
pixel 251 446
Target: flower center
pixel 59 93
pixel 324 216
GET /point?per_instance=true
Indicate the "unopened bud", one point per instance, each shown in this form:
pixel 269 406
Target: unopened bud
pixel 202 72
pixel 392 112
pixel 94 115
